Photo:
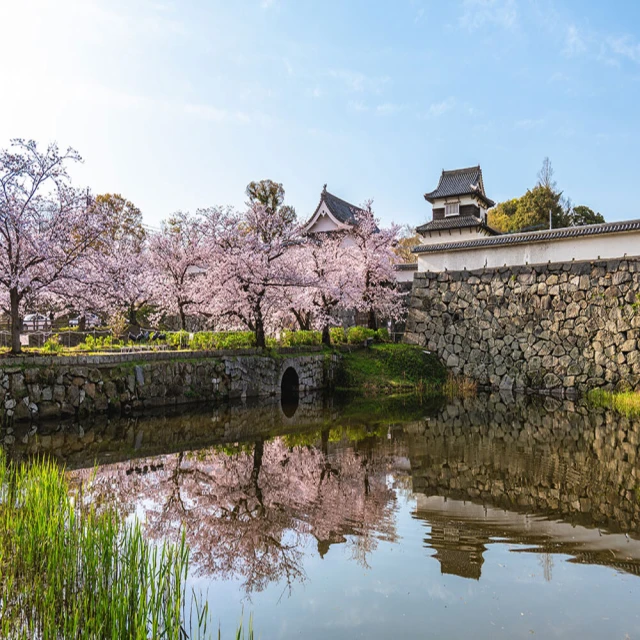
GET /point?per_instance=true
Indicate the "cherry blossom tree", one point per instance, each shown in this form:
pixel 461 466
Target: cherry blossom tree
pixel 328 267
pixel 179 256
pixel 373 250
pixel 113 277
pixel 255 266
pixel 46 224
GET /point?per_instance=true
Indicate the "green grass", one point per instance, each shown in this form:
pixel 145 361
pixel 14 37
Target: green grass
pixel 69 572
pixel 392 367
pixel 625 402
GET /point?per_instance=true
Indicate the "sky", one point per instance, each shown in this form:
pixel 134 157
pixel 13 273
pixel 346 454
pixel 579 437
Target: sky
pixel 179 104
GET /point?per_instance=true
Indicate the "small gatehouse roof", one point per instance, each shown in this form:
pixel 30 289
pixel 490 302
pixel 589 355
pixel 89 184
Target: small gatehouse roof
pixel 460 182
pixel 342 211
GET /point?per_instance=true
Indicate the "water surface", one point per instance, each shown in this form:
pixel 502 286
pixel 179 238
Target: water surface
pixel 490 517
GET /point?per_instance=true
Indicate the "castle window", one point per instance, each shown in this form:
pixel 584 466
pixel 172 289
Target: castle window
pixel 452 209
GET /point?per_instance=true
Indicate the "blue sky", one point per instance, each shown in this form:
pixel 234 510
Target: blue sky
pixel 180 104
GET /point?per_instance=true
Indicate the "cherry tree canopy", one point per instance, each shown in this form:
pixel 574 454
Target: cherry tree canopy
pixel 179 256
pixel 374 256
pixel 46 225
pixel 254 267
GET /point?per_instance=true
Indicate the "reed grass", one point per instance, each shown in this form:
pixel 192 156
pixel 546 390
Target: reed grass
pixel 459 387
pixel 625 402
pixel 69 572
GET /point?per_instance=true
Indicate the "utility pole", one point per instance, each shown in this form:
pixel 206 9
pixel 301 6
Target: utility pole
pixel 550 220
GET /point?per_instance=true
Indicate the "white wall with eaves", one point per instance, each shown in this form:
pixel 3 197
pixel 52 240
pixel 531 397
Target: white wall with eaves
pixel 596 247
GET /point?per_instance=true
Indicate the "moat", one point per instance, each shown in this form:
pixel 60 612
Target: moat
pixel 491 517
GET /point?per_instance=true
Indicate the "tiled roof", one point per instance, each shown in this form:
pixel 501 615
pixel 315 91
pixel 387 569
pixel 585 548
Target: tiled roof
pixel 456 222
pixel 406 266
pixel 460 182
pixel 535 236
pixel 340 209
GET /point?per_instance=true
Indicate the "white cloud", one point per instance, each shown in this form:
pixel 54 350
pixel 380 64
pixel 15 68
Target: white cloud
pixel 359 82
pixel 388 108
pixel 574 42
pixel 529 123
pixel 625 47
pixel 357 105
pixel 438 109
pixel 479 13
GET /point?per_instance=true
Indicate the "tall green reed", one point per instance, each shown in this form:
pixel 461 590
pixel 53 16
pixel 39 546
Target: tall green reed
pixel 69 572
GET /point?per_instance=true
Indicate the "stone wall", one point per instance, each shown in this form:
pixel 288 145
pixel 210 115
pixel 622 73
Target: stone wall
pixel 565 326
pixel 51 387
pixel 102 439
pixel 532 455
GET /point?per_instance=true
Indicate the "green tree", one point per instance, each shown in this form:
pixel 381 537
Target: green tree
pixel 535 206
pixel 501 216
pixel 532 210
pixel 125 218
pixel 270 195
pixel 582 215
pixel 407 240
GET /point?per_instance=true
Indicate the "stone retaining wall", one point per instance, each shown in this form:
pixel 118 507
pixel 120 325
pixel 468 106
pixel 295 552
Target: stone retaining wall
pixel 50 387
pixel 566 326
pixel 549 456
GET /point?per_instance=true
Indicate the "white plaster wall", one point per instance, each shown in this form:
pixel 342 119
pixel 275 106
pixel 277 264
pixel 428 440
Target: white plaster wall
pixel 404 276
pixel 452 235
pixel 463 200
pixel 323 223
pixel 602 247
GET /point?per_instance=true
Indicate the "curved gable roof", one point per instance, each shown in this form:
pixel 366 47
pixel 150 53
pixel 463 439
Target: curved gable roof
pixel 341 210
pixel 460 182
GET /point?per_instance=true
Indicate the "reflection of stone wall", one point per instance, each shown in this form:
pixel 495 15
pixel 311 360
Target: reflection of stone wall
pixel 571 326
pixel 550 457
pixel 54 387
pixel 99 439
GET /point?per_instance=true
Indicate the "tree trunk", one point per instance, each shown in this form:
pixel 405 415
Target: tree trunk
pixel 326 335
pixel 303 319
pixel 16 322
pixel 183 318
pixel 372 319
pixel 258 452
pixel 261 342
pixel 133 316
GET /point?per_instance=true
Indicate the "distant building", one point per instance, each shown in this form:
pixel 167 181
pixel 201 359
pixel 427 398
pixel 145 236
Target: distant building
pixel 458 237
pixel 336 214
pixel 460 207
pixel 331 214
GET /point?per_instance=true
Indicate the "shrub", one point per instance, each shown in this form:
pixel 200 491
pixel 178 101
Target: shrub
pixel 235 340
pixel 357 335
pixel 300 338
pixel 52 345
pixel 382 335
pixel 178 340
pixel 202 341
pixel 206 340
pixel 92 343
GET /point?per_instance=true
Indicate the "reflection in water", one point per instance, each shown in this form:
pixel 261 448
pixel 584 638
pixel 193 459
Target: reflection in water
pixel 263 496
pixel 246 509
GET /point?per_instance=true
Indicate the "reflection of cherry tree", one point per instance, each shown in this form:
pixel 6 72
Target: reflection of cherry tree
pixel 248 515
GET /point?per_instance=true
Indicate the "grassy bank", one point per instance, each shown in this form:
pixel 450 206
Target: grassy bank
pixel 69 572
pixel 627 402
pixel 392 367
